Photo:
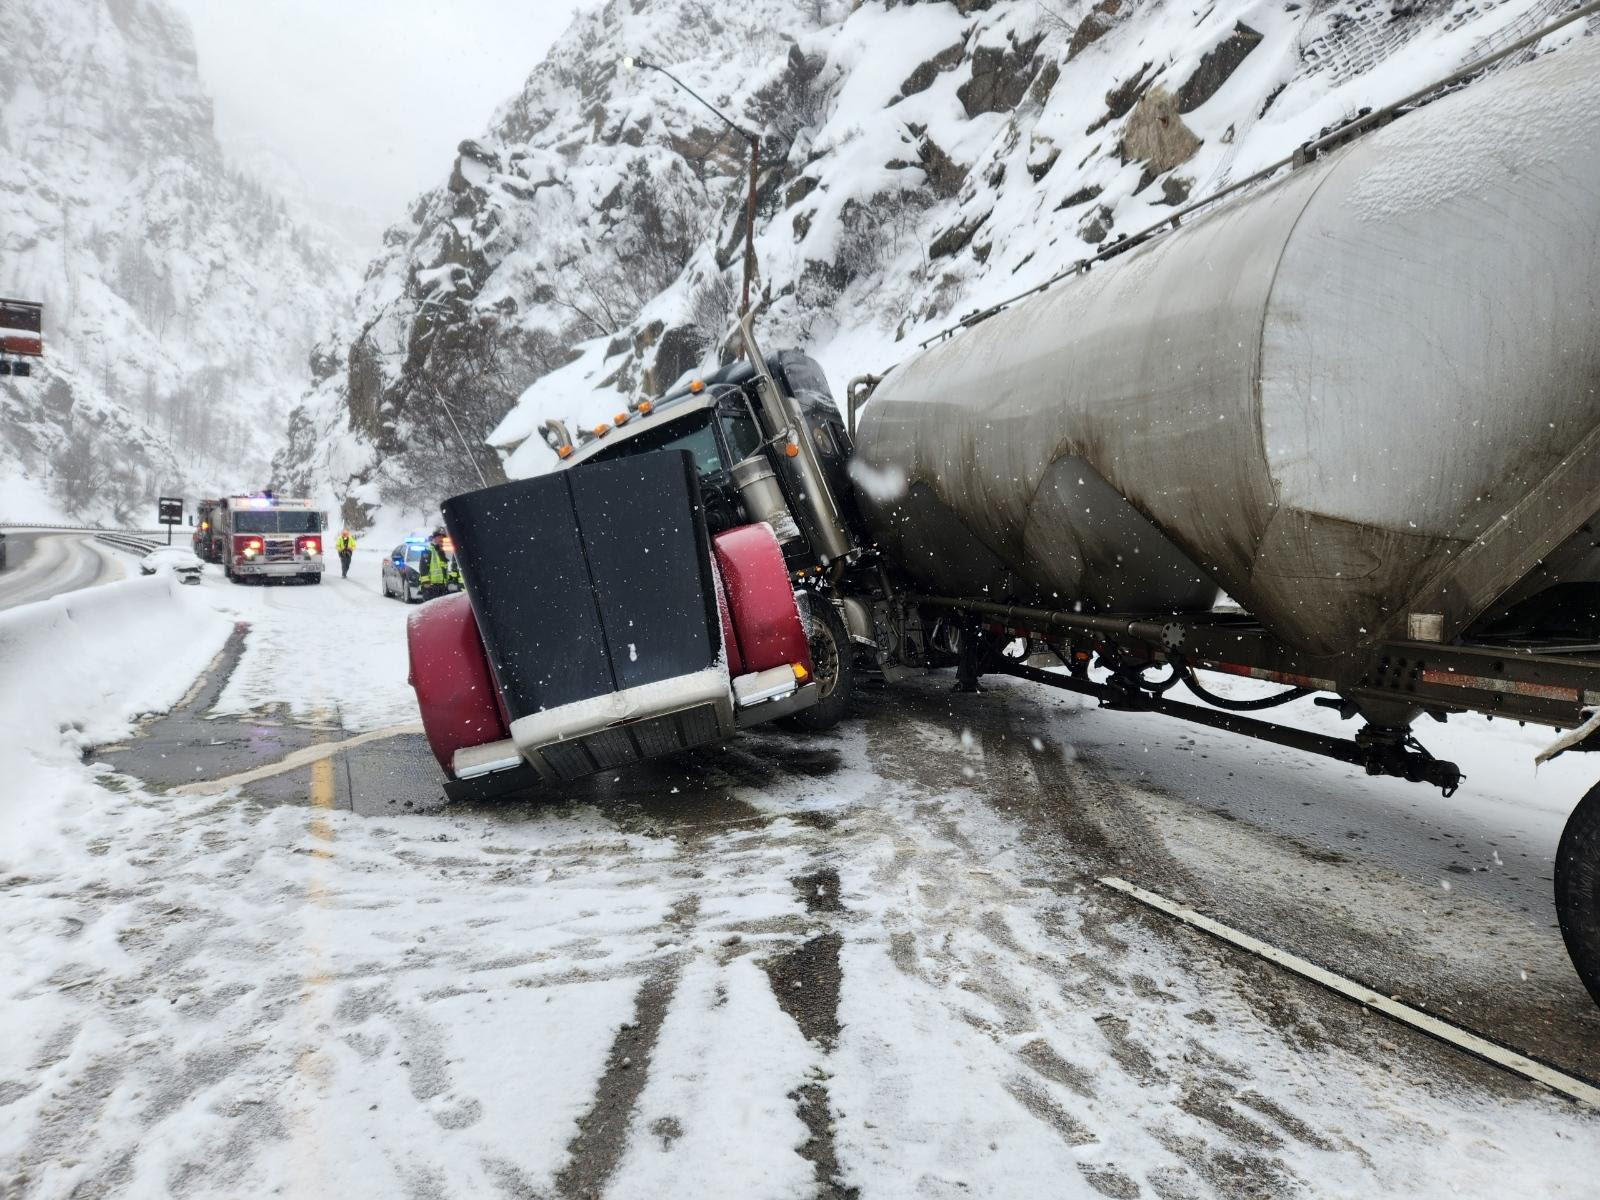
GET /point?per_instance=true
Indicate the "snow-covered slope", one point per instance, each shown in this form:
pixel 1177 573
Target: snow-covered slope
pixel 181 299
pixel 923 160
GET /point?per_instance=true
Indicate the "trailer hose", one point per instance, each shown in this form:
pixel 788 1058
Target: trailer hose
pixel 1180 667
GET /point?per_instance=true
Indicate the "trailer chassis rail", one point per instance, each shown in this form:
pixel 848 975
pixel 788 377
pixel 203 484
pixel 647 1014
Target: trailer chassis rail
pixel 1438 678
pixel 1378 750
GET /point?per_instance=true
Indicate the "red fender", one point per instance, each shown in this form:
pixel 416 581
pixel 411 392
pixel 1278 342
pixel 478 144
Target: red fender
pixel 766 623
pixel 457 695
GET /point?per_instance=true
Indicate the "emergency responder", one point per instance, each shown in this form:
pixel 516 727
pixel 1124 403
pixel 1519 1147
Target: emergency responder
pixel 346 546
pixel 435 568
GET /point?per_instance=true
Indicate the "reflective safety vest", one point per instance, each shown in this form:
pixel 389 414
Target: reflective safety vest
pixel 434 567
pixel 345 542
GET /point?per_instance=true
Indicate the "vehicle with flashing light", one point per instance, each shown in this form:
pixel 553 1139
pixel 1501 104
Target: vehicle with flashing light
pixel 261 536
pixel 401 576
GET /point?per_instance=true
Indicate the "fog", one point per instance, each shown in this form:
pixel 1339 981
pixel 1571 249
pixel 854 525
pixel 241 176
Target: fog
pixel 352 107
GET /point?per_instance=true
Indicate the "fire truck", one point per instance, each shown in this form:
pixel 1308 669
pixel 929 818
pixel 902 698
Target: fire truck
pixel 261 537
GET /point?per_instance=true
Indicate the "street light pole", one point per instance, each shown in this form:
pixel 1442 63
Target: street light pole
pixel 754 139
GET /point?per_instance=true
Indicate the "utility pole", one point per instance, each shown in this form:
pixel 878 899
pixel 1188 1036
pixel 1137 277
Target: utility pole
pixel 754 140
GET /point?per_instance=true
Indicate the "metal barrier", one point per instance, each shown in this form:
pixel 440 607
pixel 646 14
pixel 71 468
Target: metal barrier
pixel 124 541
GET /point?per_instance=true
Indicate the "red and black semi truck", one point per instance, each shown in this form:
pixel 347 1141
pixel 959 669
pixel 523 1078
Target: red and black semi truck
pixel 673 581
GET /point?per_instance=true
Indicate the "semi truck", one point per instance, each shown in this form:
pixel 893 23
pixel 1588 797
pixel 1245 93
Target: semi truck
pixel 1337 431
pixel 261 536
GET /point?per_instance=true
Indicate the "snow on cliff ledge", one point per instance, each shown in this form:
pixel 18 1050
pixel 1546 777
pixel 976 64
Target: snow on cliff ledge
pixel 920 161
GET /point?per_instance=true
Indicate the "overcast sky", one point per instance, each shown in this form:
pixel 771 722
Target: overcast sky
pixel 360 103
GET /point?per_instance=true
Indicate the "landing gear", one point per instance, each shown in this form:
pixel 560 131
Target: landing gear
pixel 1578 889
pixel 832 667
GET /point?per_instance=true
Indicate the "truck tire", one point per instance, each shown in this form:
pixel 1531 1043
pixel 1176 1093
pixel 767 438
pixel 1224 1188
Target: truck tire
pixel 1578 889
pixel 832 666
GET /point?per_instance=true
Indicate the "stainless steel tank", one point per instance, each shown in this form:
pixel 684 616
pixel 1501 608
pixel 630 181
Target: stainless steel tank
pixel 1370 386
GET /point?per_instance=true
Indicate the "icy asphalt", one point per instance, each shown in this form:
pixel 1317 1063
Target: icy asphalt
pixel 41 564
pixel 869 963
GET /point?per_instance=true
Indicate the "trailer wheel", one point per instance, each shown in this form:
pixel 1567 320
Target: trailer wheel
pixel 832 666
pixel 1578 889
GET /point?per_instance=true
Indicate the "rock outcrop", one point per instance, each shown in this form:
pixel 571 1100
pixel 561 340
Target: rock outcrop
pixel 919 161
pixel 182 299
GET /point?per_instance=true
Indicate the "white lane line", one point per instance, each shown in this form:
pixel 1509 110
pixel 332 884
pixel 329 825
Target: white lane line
pixel 300 758
pixel 1567 1085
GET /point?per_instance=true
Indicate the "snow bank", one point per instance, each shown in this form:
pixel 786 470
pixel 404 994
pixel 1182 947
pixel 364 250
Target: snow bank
pixel 75 671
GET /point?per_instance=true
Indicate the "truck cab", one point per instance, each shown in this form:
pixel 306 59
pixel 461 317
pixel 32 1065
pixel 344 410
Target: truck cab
pixel 674 580
pixel 788 469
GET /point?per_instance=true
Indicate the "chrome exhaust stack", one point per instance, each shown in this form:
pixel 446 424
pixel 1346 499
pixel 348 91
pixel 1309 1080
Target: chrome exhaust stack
pixel 833 540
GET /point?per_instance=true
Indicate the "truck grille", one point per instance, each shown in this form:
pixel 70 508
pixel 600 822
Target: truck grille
pixel 279 550
pixel 629 743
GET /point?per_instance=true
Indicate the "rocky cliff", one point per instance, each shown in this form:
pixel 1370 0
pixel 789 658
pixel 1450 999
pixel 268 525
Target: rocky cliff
pixel 921 161
pixel 182 300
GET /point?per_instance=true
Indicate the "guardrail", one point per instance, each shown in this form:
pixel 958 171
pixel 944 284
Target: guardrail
pixel 47 527
pixel 127 541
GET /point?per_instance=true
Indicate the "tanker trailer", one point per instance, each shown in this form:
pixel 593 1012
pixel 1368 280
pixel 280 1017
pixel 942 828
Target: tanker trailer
pixel 1361 398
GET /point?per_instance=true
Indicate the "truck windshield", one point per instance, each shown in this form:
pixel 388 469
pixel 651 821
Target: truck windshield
pixel 272 520
pixel 696 434
pixel 739 427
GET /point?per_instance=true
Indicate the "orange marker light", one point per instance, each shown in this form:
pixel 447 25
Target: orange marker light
pixel 792 450
pixel 564 452
pixel 645 407
pixel 620 419
pixel 800 673
pixel 697 386
pixel 602 429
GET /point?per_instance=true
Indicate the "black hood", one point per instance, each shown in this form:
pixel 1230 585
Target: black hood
pixel 589 581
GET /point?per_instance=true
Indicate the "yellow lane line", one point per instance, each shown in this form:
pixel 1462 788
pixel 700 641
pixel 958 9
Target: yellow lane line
pixel 321 752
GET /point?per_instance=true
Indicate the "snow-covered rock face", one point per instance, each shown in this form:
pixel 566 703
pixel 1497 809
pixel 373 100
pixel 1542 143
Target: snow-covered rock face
pixel 920 161
pixel 181 301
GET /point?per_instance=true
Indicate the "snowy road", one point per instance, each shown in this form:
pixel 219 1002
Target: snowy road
pixel 41 564
pixel 869 963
